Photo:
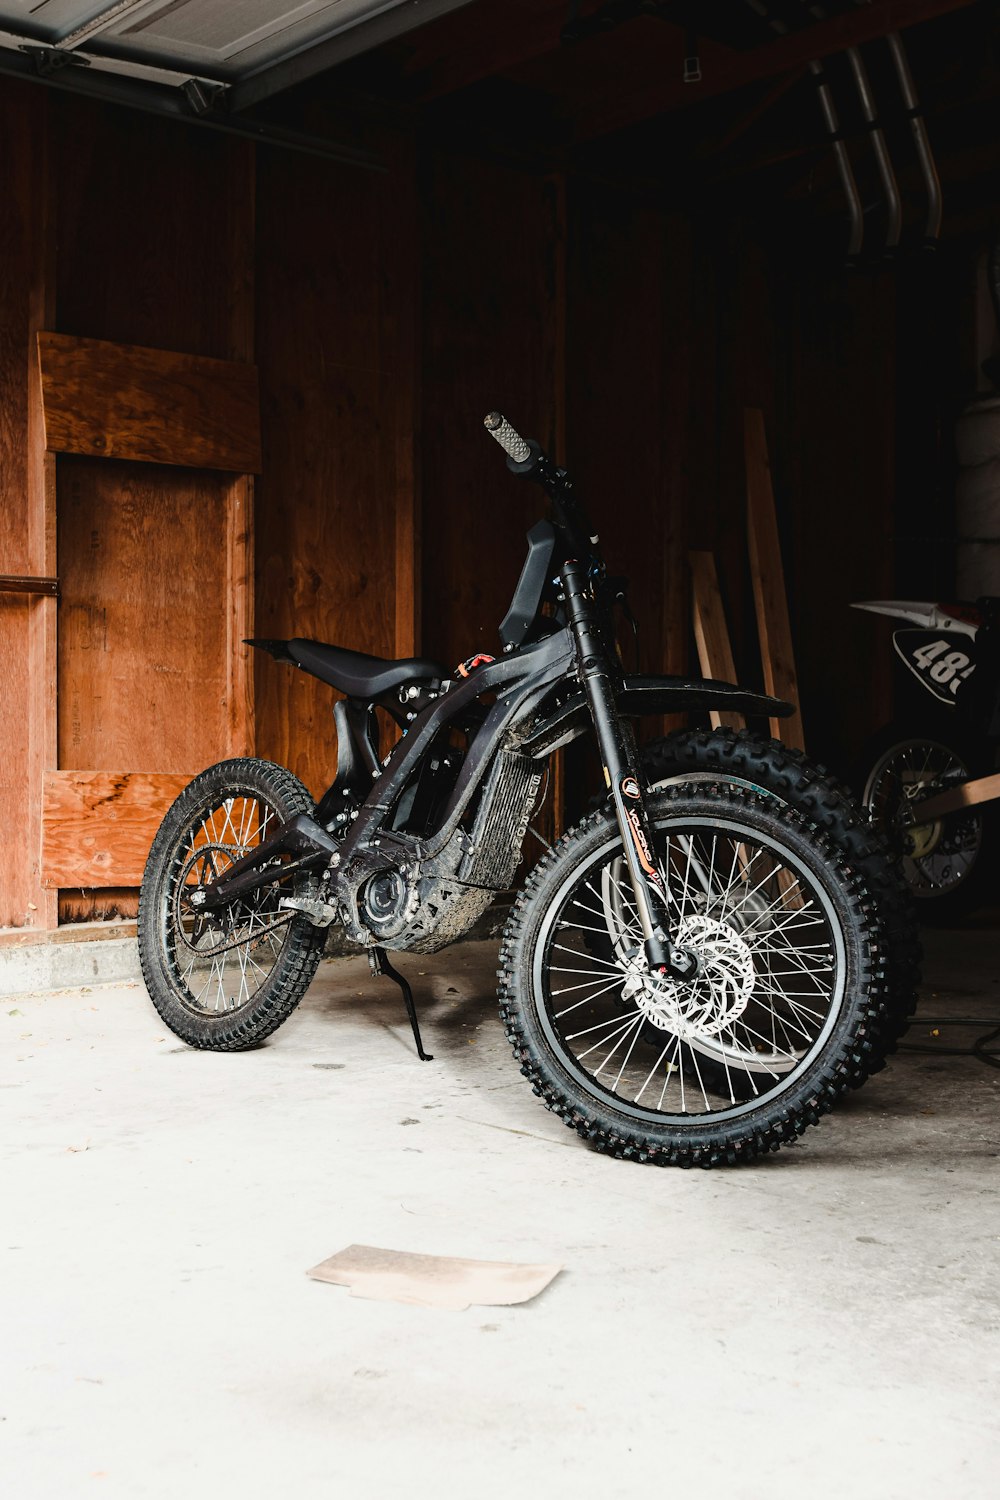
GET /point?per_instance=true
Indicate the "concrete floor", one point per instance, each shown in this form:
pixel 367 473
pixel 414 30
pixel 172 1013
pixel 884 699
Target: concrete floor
pixel 824 1322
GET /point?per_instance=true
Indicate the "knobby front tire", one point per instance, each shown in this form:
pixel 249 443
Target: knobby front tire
pixel 784 1016
pixel 742 758
pixel 226 981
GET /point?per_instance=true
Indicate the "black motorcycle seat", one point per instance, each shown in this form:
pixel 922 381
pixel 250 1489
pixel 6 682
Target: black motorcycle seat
pixel 357 674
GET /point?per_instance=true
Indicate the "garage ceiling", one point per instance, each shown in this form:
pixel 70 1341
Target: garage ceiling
pixel 224 41
pixel 576 70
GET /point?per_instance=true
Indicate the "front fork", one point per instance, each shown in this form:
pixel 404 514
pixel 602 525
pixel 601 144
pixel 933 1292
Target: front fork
pixel 623 776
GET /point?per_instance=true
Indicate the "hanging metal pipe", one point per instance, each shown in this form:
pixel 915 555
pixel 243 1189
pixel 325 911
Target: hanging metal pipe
pixel 893 205
pixel 856 235
pixel 928 166
pixel 845 171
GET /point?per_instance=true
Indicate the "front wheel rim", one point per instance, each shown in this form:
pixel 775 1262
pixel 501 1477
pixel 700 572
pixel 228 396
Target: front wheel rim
pixel 601 1033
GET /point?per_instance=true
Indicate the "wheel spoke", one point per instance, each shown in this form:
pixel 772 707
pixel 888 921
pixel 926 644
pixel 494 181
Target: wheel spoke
pixel 223 958
pixel 746 1021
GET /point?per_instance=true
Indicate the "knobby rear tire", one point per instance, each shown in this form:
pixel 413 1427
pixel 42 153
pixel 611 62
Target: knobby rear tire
pixel 841 1058
pixel 940 742
pixel 248 1023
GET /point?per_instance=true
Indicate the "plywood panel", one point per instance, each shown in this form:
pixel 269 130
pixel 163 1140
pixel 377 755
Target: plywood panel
pixel 151 405
pixel 337 409
pixel 143 635
pixel 98 826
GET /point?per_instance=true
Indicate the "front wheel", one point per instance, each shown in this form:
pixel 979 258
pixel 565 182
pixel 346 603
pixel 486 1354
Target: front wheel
pixel 226 979
pixel 779 1019
pixel 741 758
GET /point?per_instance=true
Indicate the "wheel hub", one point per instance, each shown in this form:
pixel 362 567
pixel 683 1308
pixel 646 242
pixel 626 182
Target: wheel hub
pixel 715 997
pixel 922 839
pixel 919 839
pixel 220 926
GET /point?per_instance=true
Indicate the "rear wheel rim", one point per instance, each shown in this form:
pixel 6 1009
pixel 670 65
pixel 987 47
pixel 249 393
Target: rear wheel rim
pixel 221 962
pixel 740 1035
pixel 943 853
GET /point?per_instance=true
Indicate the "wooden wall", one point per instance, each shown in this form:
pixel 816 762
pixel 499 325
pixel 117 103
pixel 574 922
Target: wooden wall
pixel 27 623
pixel 336 311
pixel 387 312
pixel 493 320
pixel 142 547
pixel 631 400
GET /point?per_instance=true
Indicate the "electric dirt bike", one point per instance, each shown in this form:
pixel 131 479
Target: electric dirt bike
pixel 692 975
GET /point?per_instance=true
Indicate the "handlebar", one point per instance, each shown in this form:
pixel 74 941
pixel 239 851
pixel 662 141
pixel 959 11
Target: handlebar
pixel 527 460
pixel 510 441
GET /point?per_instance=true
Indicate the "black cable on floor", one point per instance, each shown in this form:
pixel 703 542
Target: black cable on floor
pixel 978 1048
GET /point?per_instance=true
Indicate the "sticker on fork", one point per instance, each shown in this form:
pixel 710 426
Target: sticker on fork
pixel 642 848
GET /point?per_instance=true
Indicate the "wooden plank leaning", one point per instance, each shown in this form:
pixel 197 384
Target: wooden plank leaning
pixel 767 573
pixel 711 633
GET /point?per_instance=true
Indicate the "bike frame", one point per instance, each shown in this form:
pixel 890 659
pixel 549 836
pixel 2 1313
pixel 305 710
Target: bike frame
pixel 546 692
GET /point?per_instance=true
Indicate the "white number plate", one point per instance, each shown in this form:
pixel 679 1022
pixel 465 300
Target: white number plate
pixel 940 659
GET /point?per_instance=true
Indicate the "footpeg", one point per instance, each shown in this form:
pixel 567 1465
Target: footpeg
pixel 319 913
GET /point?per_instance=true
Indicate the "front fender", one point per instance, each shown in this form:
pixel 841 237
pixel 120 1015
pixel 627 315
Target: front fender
pixel 557 724
pixel 673 695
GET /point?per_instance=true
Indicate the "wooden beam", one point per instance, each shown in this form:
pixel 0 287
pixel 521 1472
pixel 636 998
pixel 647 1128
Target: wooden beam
pixel 711 633
pixel 97 826
pixel 968 794
pixel 13 584
pixel 153 405
pixel 660 88
pixel 767 573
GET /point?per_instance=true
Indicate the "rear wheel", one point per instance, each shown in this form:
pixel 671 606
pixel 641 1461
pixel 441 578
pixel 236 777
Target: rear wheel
pixel 226 979
pixel 781 1017
pixel 944 860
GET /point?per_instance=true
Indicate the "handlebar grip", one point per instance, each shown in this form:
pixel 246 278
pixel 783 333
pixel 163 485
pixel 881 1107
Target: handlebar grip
pixel 510 441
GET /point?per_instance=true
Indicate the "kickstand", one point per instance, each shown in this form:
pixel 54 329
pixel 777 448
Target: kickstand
pixel 379 964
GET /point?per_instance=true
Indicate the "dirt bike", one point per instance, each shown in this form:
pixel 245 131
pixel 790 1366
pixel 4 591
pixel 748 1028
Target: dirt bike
pixel 690 976
pixel 947 734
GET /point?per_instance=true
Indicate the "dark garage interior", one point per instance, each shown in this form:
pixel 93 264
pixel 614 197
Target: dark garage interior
pixel 263 269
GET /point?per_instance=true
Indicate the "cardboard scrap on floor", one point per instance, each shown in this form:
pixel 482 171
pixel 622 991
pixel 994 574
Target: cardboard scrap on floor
pixel 432 1280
